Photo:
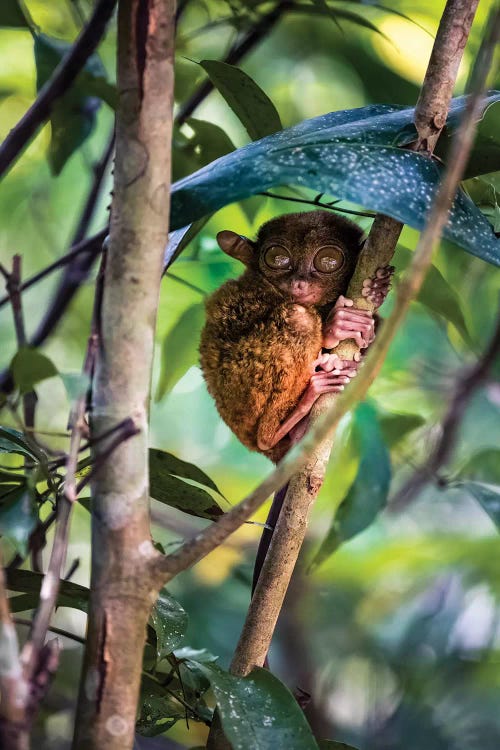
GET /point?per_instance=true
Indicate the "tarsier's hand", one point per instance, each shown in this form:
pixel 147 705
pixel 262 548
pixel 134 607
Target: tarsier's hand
pixel 346 322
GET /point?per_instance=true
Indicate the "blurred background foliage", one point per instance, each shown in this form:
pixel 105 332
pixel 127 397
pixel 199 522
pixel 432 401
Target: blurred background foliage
pixel 395 635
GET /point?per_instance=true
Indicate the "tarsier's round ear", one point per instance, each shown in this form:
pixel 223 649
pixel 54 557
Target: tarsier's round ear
pixel 236 246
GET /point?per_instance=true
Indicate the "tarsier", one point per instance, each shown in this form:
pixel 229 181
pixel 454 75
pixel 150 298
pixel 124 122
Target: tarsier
pixel 264 348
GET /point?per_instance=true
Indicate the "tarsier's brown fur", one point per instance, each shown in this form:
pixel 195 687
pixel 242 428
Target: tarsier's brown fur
pixel 259 344
pixel 263 346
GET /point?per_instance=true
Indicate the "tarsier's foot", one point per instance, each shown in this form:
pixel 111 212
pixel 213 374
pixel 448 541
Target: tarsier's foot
pixel 331 363
pixel 344 322
pixel 376 289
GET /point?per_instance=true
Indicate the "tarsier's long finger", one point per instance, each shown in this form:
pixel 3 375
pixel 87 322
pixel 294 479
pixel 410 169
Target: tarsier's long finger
pixel 335 365
pixel 376 288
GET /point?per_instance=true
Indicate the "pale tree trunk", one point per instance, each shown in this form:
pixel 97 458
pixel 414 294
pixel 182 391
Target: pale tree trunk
pixel 122 591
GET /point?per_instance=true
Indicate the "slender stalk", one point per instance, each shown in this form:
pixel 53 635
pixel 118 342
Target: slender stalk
pixel 122 592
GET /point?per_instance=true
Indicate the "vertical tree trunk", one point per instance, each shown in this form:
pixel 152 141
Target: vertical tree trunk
pixel 122 591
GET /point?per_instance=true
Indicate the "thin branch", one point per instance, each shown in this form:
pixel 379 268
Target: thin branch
pixel 464 390
pixel 82 247
pixel 52 629
pixel 61 80
pixel 319 204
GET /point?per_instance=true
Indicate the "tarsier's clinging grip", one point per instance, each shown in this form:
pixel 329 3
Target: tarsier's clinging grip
pixel 263 346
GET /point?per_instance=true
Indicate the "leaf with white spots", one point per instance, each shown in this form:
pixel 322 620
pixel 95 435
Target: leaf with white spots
pixel 169 622
pixel 258 711
pixel 355 155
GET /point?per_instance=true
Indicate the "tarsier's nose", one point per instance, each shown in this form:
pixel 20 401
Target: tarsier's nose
pixel 300 285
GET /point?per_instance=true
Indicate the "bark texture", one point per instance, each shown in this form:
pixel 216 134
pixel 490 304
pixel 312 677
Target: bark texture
pixel 122 589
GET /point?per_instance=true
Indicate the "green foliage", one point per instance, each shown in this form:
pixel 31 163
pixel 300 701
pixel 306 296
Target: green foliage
pixel 356 155
pixel 11 15
pixel 261 707
pixel 247 100
pixel 18 513
pixel 183 339
pixel 73 116
pixel 29 367
pixel 488 497
pixel 169 622
pixel 167 486
pixel 368 493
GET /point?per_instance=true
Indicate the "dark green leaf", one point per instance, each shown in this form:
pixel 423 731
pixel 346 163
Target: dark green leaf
pixel 29 367
pixel 13 441
pixel 436 293
pixel 175 492
pixel 488 496
pixel 485 156
pixel 180 348
pixel 73 116
pixel 210 140
pixel 395 426
pixel 368 493
pixel 483 467
pixel 250 104
pixel 258 711
pixel 180 239
pixel 485 192
pixel 27 582
pixel 173 465
pixel 158 713
pixel 337 14
pixel 18 515
pixel 352 155
pixel 11 15
pixel 169 621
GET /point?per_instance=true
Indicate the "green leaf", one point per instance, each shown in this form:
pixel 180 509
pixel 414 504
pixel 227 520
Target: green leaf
pixel 170 622
pixel 483 466
pixel 368 493
pixel 258 711
pixel 18 515
pixel 210 140
pixel 332 745
pixel 488 497
pixel 394 427
pixel 485 156
pixel 11 15
pixel 173 491
pixel 353 155
pixel 436 293
pixel 13 441
pixel 73 116
pixel 173 465
pixel 180 348
pixel 249 103
pixel 29 367
pixel 27 582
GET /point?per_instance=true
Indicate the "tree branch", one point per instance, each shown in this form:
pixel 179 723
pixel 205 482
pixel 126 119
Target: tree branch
pixel 291 526
pixel 64 75
pixel 122 592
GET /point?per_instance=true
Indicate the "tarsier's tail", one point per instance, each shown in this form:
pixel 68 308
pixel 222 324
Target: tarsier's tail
pixel 267 534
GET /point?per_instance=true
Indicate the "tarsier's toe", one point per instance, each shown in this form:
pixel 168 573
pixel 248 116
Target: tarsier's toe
pixel 376 288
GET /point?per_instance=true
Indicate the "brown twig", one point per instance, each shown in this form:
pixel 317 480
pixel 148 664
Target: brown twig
pixel 61 80
pixel 13 689
pixel 464 390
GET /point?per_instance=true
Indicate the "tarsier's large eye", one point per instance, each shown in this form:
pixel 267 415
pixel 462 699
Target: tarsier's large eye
pixel 329 259
pixel 278 258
